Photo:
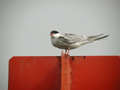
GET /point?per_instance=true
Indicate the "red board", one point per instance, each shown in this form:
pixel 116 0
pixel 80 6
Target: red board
pixel 44 73
pixel 96 73
pixel 34 73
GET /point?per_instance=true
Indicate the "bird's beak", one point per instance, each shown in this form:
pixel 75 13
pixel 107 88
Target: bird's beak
pixel 51 34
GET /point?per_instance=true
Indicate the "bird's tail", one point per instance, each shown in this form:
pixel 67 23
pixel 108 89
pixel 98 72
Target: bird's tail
pixel 97 37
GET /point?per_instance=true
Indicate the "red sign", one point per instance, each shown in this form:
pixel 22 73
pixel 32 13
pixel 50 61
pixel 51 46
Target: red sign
pixel 44 73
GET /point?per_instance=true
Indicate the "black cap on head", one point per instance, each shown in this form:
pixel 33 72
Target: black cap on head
pixel 54 32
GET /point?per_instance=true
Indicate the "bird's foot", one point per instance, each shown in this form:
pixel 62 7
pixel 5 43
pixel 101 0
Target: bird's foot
pixel 66 53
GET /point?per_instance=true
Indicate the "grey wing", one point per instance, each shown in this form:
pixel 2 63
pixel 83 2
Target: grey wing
pixel 72 38
pixel 97 37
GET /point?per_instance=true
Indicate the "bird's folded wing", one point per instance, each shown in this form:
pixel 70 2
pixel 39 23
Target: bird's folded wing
pixel 97 37
pixel 72 38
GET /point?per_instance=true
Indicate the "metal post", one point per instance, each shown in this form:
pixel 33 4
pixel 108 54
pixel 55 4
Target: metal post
pixel 66 77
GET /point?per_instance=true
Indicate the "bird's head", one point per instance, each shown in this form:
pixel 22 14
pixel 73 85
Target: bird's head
pixel 54 33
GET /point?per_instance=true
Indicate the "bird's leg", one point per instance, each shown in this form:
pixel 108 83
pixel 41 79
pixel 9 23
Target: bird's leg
pixel 67 51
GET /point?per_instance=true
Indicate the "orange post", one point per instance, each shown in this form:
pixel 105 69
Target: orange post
pixel 66 75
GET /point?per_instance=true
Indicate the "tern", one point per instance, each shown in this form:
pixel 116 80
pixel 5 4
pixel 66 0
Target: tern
pixel 69 41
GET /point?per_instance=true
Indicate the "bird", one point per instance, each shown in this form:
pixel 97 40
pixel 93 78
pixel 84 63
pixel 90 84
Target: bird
pixel 68 41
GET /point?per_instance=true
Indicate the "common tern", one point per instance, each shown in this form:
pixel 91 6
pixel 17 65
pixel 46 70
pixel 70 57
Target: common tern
pixel 69 41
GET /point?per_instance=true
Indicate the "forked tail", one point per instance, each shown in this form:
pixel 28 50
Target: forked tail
pixel 97 37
